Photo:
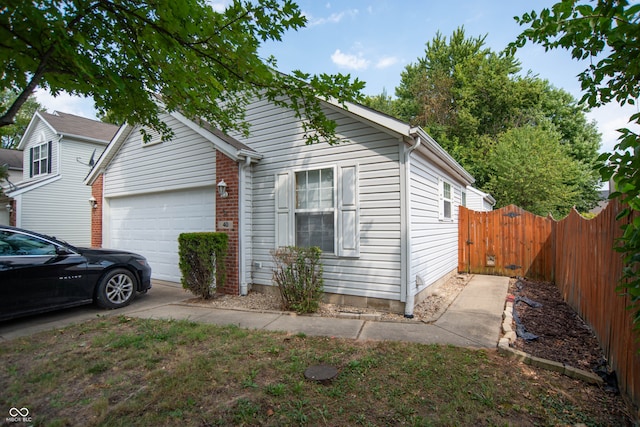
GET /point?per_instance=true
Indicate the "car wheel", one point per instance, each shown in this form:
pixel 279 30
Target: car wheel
pixel 116 289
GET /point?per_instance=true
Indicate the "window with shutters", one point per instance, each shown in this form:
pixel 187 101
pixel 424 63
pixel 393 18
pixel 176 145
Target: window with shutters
pixel 318 207
pixel 315 209
pixel 40 159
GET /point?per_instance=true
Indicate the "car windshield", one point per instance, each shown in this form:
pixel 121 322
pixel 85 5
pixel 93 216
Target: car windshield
pixel 21 244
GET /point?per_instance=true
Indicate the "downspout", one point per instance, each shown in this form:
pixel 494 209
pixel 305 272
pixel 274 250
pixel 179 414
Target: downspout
pixel 242 229
pixel 410 294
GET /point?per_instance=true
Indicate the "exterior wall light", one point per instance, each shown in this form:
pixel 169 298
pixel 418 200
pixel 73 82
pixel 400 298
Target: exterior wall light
pixel 8 207
pixel 93 202
pixel 222 189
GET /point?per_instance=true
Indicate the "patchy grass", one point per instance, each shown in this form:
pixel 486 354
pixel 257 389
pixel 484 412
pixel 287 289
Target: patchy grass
pixel 124 371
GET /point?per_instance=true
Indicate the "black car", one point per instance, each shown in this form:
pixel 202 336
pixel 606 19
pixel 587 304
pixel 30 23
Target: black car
pixel 39 273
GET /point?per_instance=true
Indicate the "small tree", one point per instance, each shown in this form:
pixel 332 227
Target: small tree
pixel 530 168
pixel 202 258
pixel 298 274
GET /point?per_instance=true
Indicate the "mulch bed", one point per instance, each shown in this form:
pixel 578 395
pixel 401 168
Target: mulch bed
pixel 562 335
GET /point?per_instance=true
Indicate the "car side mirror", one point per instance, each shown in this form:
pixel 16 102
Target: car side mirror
pixel 61 250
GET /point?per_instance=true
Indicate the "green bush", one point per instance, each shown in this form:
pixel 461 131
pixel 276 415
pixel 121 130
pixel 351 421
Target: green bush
pixel 202 258
pixel 298 274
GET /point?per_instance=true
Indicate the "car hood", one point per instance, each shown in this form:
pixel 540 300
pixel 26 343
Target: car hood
pixel 99 252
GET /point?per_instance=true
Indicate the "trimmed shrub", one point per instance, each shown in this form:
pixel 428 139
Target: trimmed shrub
pixel 202 258
pixel 298 274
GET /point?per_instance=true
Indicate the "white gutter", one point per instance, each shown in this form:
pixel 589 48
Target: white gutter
pixel 409 290
pixel 242 225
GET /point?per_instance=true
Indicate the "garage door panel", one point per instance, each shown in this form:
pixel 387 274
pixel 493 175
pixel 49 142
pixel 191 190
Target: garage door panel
pixel 150 224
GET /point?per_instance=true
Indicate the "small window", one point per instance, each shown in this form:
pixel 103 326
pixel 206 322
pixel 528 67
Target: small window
pixel 40 159
pixel 446 200
pixel 315 209
pixel 464 198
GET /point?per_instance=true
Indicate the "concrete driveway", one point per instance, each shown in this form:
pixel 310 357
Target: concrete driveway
pixel 160 294
pixel 472 320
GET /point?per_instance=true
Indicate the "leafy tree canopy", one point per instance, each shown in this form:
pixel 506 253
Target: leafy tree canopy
pixel 466 96
pixel 606 32
pixel 10 135
pixel 531 169
pixel 127 53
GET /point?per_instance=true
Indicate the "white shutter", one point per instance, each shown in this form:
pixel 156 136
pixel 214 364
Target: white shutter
pixel 348 212
pixel 284 209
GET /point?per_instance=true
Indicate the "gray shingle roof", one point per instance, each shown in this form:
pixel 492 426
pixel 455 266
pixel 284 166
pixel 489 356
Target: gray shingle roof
pixel 70 124
pixel 13 158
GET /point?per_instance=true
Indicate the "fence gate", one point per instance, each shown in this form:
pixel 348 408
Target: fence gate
pixel 506 242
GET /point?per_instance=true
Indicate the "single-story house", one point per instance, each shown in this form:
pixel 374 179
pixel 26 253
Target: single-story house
pixel 382 205
pixel 12 161
pixel 52 198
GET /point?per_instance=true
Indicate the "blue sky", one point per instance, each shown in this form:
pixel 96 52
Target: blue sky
pixel 374 40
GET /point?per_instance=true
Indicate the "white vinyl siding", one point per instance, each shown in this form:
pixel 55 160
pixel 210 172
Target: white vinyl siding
pixel 185 161
pixel 477 200
pixel 368 264
pixel 434 243
pixel 60 208
pixel 41 134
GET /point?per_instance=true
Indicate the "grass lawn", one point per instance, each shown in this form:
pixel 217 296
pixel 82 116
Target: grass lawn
pixel 123 371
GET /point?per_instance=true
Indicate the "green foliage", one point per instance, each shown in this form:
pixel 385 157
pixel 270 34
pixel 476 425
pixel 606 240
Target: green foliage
pixel 4 174
pixel 298 274
pixel 129 54
pixel 202 257
pixel 10 135
pixel 466 96
pixel 532 170
pixel 606 32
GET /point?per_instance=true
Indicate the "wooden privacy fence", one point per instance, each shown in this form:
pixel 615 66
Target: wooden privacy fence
pixel 575 253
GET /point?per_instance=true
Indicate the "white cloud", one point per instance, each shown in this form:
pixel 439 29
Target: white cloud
pixel 334 18
pixel 610 118
pixel 66 103
pixel 386 62
pixel 352 62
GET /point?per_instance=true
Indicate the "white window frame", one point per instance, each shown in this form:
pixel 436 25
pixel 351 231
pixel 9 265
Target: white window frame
pixel 41 160
pixel 320 210
pixel 346 210
pixel 446 199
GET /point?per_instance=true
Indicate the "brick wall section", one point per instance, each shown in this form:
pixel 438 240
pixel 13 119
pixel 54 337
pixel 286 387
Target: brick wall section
pixel 96 214
pixel 227 209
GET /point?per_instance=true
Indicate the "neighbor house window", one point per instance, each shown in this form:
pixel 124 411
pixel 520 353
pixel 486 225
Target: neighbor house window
pixel 446 200
pixel 464 198
pixel 315 209
pixel 40 159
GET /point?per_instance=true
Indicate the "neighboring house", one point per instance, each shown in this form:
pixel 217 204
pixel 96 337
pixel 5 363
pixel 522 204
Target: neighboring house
pixel 382 205
pixel 477 200
pixel 12 159
pixel 57 151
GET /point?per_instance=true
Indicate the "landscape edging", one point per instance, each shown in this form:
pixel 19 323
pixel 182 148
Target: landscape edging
pixel 509 337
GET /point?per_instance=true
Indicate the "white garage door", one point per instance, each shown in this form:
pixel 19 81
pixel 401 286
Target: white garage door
pixel 149 224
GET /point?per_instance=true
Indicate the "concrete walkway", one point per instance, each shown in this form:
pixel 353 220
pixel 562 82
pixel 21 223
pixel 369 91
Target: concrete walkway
pixel 472 320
